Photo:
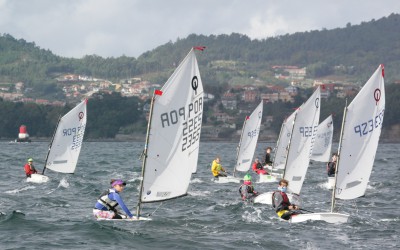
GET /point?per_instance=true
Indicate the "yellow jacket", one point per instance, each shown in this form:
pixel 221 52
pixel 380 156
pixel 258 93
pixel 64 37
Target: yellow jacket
pixel 216 168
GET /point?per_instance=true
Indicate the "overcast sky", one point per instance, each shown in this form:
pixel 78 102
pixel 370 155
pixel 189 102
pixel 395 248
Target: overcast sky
pixel 74 28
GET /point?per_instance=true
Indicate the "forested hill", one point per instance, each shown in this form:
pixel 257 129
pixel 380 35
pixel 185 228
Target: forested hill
pixel 363 46
pixel 360 47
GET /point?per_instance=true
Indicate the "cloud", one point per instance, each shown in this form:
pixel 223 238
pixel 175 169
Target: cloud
pixel 74 28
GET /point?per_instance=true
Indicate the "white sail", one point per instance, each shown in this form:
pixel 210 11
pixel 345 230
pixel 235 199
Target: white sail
pixel 174 135
pixel 283 143
pixel 67 141
pixel 361 132
pixel 249 139
pixel 323 141
pixel 302 141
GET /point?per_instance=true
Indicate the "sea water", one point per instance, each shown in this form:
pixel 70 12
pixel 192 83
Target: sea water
pixel 58 214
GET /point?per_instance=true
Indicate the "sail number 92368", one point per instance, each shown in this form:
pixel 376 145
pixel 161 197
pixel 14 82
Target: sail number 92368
pixel 369 126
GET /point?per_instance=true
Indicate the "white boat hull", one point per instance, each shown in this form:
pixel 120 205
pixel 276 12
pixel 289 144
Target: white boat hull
pixel 266 198
pixel 126 220
pixel 228 179
pixel 331 183
pixel 37 178
pixel 267 178
pixel 327 217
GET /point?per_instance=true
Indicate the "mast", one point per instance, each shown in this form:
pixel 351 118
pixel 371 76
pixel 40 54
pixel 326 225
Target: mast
pixel 338 157
pixel 277 145
pixel 145 155
pixel 288 147
pixel 240 144
pixel 51 144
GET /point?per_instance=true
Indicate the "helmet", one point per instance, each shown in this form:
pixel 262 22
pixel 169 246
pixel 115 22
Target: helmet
pixel 30 159
pixel 247 177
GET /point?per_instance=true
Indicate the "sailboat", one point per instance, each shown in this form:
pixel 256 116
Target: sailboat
pixel 66 143
pixel 173 135
pixel 323 144
pixel 323 141
pixel 281 150
pixel 300 146
pixel 247 144
pixel 359 138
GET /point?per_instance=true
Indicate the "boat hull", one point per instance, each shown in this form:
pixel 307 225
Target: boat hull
pixel 37 178
pixel 266 198
pixel 267 178
pixel 331 183
pixel 126 220
pixel 327 217
pixel 228 179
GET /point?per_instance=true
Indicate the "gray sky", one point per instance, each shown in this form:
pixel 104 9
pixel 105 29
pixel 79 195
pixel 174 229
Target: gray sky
pixel 74 28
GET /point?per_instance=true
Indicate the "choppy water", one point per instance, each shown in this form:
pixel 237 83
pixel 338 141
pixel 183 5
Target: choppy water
pixel 58 214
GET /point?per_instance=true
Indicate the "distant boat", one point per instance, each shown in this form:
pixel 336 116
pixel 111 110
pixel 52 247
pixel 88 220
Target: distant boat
pixel 323 141
pixel 66 143
pixel 323 144
pixel 359 138
pixel 281 150
pixel 173 135
pixel 247 144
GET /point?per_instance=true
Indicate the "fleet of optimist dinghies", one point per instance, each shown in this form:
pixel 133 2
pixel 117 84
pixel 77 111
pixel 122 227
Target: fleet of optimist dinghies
pixel 173 140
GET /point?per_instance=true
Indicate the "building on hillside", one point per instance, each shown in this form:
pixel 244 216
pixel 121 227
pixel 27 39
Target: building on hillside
pixel 286 97
pixel 250 96
pixel 223 117
pixel 42 101
pixel 19 87
pixel 291 90
pixel 270 98
pixel 208 97
pixel 229 101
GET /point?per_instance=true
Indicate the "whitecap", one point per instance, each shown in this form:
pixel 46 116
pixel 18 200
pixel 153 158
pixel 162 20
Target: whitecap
pixel 63 183
pixel 199 193
pixel 19 190
pixel 196 180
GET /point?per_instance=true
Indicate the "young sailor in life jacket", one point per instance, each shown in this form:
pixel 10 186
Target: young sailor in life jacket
pixel 29 168
pixel 246 190
pixel 216 168
pixel 258 167
pixel 280 202
pixel 108 201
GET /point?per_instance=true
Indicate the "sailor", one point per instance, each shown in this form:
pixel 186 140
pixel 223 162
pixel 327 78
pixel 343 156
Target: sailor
pixel 267 160
pixel 29 168
pixel 331 166
pixel 246 190
pixel 280 202
pixel 217 169
pixel 258 167
pixel 108 201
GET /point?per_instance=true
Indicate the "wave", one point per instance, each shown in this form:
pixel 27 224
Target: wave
pixel 15 191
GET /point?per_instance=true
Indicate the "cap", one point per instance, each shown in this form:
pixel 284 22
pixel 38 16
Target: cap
pixel 30 159
pixel 118 182
pixel 247 177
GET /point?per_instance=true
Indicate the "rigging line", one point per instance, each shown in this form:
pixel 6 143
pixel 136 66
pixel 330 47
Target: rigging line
pixel 155 209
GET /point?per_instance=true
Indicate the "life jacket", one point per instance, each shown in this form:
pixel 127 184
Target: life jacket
pixel 216 168
pixel 106 201
pixel 29 170
pixel 246 191
pixel 285 198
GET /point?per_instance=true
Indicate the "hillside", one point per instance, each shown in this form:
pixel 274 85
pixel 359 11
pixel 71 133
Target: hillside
pixel 346 56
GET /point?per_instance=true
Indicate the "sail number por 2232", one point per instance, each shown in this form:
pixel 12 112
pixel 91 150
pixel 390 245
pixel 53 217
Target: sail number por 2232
pixel 369 126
